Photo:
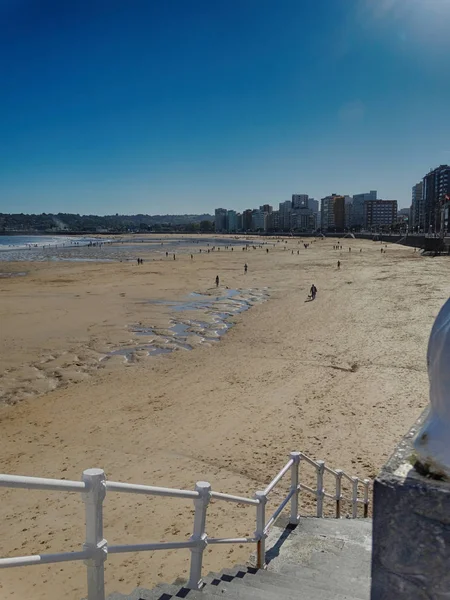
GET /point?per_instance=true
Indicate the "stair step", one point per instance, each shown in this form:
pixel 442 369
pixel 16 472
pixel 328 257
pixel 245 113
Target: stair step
pixel 247 592
pixel 166 592
pixel 306 577
pixel 314 577
pixel 276 589
pixel 294 578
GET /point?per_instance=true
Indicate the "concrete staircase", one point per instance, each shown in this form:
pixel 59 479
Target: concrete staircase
pixel 319 559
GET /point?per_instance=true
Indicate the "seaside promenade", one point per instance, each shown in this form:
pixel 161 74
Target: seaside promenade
pixel 340 378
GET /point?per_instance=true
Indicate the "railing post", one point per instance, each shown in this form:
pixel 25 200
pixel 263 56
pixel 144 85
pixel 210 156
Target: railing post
pixel 260 533
pixel 355 497
pixel 320 470
pixel 339 474
pixel 366 497
pixel 294 517
pixel 93 500
pixel 199 534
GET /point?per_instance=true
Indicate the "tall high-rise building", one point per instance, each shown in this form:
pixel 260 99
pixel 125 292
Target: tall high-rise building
pixel 313 205
pixel 259 220
pixel 380 213
pixel 247 219
pixel 303 216
pixel 266 208
pixel 273 221
pixel 357 220
pixel 220 219
pixel 285 215
pixel 300 201
pixel 436 187
pixel 348 200
pixel 304 220
pixel 417 213
pixel 232 226
pixel 332 210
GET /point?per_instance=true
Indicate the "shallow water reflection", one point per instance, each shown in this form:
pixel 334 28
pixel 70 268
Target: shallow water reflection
pixel 213 321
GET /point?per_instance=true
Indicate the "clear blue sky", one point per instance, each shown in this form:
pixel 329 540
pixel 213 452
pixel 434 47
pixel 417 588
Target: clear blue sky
pixel 177 106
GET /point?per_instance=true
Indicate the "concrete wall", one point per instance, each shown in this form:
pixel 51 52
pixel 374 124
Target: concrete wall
pixel 411 531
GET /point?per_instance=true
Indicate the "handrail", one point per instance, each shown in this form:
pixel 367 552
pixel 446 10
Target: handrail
pixel 150 547
pixel 230 498
pixel 94 487
pixel 308 489
pixel 41 483
pixel 134 488
pixel 36 559
pixel 276 479
pixel 328 470
pixel 246 540
pixel 308 460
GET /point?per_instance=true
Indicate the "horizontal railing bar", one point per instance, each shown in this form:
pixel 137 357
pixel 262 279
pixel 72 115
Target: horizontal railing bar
pixel 150 490
pixel 348 477
pixel 40 559
pixel 252 540
pixel 327 495
pixel 276 479
pixel 278 511
pixel 302 486
pixel 308 460
pixel 329 470
pixel 230 498
pixel 41 483
pixel 150 547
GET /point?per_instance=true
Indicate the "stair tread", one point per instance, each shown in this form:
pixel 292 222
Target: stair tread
pixel 288 589
pixel 311 578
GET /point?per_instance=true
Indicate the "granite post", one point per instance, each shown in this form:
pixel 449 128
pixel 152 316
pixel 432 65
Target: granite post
pixel 411 530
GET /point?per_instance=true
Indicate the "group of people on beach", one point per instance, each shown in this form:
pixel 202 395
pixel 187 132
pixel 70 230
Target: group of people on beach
pixel 313 289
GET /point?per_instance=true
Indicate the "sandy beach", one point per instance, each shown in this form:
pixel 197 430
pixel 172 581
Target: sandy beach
pixel 340 378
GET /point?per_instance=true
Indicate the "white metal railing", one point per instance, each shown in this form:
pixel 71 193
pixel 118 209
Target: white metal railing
pixel 94 486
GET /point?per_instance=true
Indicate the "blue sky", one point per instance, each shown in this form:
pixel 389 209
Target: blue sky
pixel 171 107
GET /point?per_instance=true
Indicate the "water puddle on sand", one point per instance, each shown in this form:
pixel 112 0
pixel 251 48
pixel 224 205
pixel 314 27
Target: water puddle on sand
pixel 13 274
pixel 215 312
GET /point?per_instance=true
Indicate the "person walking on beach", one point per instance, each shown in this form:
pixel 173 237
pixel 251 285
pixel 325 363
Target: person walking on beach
pixel 245 268
pixel 339 264
pixel 217 281
pixel 313 292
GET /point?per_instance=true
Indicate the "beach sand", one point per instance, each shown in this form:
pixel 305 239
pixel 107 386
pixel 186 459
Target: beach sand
pixel 340 378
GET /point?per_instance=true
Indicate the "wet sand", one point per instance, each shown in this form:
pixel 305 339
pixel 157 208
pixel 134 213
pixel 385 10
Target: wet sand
pixel 340 378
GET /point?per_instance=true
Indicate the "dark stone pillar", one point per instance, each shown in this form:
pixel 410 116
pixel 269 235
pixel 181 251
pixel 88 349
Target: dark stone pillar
pixel 411 531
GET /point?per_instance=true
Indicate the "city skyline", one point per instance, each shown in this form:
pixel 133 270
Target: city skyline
pixel 150 108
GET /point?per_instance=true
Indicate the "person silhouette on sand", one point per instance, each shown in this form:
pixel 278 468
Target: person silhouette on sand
pixel 217 281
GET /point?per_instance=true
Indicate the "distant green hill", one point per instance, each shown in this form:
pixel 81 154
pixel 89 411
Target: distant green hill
pixel 113 223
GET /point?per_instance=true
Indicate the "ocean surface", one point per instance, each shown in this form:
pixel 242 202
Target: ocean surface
pixel 40 241
pixel 65 248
